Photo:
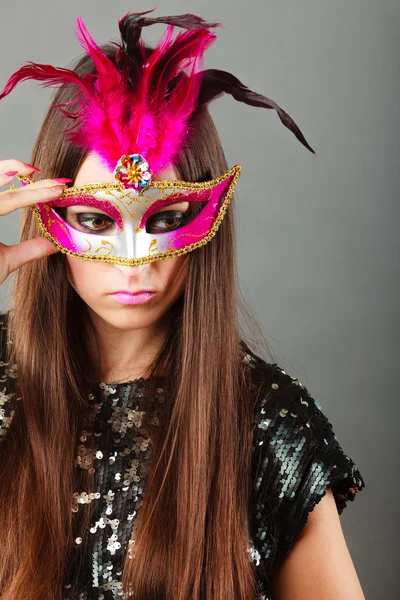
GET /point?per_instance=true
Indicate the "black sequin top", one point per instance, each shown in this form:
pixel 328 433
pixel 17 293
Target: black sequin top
pixel 296 457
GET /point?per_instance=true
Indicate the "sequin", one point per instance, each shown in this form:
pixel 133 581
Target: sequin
pixel 296 457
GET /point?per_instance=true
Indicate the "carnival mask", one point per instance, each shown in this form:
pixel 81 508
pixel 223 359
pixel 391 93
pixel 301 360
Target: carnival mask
pixel 135 225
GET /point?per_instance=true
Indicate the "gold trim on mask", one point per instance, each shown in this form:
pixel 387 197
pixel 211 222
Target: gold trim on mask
pixel 96 187
pixel 92 188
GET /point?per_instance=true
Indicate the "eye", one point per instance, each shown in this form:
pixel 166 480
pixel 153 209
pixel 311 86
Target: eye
pixel 93 222
pixel 168 220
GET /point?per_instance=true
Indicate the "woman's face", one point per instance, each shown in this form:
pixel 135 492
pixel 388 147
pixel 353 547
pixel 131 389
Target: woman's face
pixel 97 282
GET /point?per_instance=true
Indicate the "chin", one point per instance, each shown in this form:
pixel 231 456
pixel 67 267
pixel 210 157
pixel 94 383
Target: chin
pixel 125 317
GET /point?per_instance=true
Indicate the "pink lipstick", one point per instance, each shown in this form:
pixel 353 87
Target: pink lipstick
pixel 125 297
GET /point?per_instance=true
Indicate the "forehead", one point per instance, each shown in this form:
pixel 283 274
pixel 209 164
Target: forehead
pixel 94 170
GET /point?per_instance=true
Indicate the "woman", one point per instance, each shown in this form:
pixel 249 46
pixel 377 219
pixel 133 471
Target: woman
pixel 147 451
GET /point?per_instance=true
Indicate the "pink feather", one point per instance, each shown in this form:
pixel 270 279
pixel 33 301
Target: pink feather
pixel 115 116
pixel 48 75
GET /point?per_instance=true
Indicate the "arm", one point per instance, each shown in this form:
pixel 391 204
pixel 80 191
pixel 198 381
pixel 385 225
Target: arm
pixel 319 566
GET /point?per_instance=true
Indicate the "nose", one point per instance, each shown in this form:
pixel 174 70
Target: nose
pixel 134 271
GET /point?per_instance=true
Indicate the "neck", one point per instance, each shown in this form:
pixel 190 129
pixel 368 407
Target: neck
pixel 124 353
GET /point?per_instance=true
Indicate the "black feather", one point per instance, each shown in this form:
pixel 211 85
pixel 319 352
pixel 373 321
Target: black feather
pixel 130 57
pixel 214 83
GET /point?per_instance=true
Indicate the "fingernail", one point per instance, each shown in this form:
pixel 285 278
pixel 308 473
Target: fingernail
pixel 58 188
pixel 62 180
pixel 33 168
pixel 11 173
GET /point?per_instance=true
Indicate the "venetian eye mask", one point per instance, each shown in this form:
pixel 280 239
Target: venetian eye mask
pixel 142 228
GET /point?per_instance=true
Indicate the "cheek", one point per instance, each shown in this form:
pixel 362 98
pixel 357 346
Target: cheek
pixel 172 272
pixel 84 276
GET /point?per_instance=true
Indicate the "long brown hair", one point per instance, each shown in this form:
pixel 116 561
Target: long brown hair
pixel 198 487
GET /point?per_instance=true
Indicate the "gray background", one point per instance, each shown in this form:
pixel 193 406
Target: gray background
pixel 318 236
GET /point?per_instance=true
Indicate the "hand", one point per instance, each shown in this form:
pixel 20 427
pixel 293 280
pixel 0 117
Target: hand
pixel 13 257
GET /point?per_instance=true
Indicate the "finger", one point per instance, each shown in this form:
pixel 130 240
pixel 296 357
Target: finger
pixel 7 177
pixel 11 200
pixel 4 179
pixel 24 252
pixel 48 183
pixel 12 164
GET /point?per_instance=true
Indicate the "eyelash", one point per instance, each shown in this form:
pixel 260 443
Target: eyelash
pixel 81 218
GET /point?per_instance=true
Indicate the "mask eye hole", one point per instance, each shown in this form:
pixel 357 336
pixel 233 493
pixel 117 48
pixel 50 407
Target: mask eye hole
pixel 87 220
pixel 173 217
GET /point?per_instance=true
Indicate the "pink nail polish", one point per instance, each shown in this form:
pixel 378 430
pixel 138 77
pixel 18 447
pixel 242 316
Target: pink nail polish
pixel 11 173
pixel 33 168
pixel 62 180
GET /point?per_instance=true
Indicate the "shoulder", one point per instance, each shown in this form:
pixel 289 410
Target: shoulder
pixel 279 397
pixel 296 459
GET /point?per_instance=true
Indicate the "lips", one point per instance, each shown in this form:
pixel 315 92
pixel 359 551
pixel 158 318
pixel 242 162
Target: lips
pixel 132 293
pixel 139 297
